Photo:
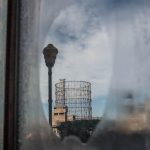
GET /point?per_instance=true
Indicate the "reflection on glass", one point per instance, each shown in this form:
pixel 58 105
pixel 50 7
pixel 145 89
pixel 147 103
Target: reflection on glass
pixel 3 9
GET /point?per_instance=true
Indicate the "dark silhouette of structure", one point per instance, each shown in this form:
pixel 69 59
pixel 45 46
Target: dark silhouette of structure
pixel 80 128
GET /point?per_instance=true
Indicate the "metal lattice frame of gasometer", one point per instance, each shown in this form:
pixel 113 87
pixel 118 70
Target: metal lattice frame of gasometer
pixel 76 95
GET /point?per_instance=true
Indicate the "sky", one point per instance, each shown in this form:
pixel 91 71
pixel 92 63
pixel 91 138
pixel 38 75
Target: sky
pixel 81 37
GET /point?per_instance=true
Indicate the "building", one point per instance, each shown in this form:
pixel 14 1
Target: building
pixel 73 102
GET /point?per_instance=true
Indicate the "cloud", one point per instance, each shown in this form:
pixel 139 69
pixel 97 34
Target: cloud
pixel 84 52
pixel 49 11
pixel 84 44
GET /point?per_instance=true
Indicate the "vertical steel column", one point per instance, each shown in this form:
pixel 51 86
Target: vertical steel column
pixel 50 53
pixel 50 101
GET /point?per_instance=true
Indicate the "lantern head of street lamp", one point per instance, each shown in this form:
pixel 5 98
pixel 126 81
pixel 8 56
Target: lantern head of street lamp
pixel 50 52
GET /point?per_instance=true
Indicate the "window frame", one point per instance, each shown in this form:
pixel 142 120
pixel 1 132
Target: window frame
pixel 11 115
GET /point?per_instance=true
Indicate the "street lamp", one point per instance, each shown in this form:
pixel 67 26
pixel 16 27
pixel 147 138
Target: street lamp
pixel 50 53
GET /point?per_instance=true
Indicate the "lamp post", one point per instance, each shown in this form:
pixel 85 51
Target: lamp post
pixel 50 53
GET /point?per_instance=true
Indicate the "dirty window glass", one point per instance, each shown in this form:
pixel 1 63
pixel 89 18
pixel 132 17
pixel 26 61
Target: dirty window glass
pixel 115 29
